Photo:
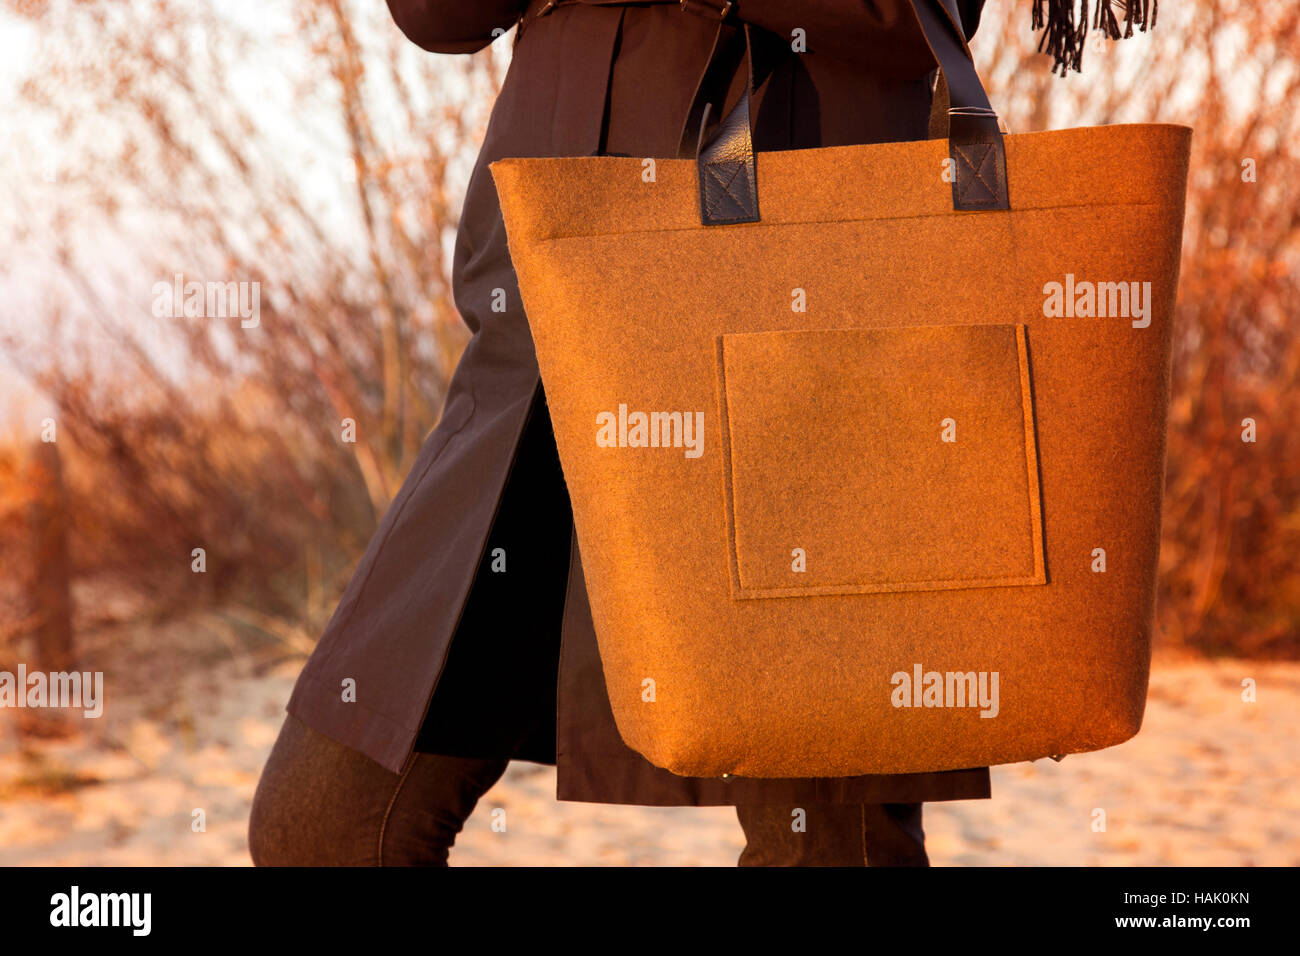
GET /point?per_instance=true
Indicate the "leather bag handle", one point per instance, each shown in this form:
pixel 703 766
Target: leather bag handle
pixel 728 182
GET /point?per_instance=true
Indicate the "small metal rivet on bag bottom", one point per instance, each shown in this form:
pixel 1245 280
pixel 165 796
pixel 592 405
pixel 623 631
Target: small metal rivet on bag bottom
pixel 1057 757
pixel 727 777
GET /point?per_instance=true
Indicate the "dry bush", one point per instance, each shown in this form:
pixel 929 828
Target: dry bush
pixel 1230 558
pixel 315 152
pixel 199 433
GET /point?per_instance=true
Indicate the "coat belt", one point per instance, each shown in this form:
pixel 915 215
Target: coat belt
pixel 710 9
pixel 713 9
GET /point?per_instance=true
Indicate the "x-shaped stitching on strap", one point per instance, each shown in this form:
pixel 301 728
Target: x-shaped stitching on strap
pixel 976 167
pixel 725 188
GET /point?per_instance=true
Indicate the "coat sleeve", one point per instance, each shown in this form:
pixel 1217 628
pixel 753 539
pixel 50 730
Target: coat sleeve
pixel 880 35
pixel 454 26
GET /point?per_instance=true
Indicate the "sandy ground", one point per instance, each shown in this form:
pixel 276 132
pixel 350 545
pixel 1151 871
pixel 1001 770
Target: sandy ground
pixel 1210 780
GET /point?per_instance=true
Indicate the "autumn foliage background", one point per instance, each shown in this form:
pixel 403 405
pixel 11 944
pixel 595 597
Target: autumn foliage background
pixel 312 149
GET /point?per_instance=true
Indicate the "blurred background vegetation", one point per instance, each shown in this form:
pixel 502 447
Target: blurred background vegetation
pixel 310 148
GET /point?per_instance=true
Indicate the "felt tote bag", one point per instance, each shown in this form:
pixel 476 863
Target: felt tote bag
pixel 865 444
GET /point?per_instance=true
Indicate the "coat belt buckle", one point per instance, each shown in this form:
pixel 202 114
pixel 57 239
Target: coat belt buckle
pixel 711 11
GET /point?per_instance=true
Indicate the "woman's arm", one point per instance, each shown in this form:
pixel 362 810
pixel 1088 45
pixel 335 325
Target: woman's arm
pixel 454 26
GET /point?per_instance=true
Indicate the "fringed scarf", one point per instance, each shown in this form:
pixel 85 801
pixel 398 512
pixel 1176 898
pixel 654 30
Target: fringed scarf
pixel 1064 36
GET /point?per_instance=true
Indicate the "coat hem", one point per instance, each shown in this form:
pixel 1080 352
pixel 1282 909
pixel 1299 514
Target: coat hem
pixel 969 784
pixel 377 737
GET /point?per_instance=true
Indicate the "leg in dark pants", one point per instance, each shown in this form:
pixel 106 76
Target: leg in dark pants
pixel 871 834
pixel 322 804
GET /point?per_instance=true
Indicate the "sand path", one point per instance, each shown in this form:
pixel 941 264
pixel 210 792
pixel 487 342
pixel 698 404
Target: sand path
pixel 1210 780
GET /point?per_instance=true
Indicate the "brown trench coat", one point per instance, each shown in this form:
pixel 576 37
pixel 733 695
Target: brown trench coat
pixel 586 77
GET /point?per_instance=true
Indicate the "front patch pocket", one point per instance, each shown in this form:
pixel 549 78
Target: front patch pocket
pixel 871 460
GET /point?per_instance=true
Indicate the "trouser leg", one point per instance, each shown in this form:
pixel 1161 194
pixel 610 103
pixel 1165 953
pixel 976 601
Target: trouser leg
pixel 872 834
pixel 319 803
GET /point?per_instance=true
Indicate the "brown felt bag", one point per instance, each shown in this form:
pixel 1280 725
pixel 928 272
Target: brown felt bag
pixel 865 444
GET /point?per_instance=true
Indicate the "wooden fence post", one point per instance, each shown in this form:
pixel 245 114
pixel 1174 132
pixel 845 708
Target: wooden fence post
pixel 51 595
